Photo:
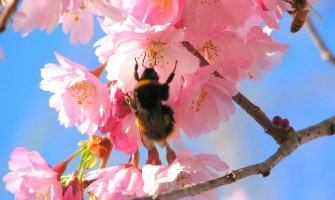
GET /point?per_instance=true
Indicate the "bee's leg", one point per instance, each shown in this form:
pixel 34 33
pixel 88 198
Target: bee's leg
pixel 170 154
pixel 153 157
pixel 130 101
pixel 170 78
pixel 135 71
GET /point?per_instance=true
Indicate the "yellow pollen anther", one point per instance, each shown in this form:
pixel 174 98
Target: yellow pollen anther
pixel 201 98
pixel 210 51
pixel 81 92
pixel 41 196
pixel 76 16
pixel 154 51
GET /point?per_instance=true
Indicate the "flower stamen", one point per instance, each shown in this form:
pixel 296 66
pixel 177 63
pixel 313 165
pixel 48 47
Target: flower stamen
pixel 197 104
pixel 81 92
pixel 210 50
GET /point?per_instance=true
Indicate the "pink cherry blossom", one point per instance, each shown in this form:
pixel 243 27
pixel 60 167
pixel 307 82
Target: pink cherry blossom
pixel 122 139
pixel 160 44
pixel 104 48
pixel 265 52
pixel 119 106
pixel 77 17
pixel 117 182
pixel 123 133
pixel 31 177
pixel 156 12
pixel 79 97
pixel 185 170
pixel 108 9
pixel 204 101
pixel 120 124
pixel 225 49
pixel 270 11
pixel 203 17
pixel 41 14
pixel 278 6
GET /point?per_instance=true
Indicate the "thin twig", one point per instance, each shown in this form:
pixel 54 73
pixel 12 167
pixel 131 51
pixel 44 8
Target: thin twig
pixel 324 51
pixel 293 141
pixel 5 15
pixel 254 111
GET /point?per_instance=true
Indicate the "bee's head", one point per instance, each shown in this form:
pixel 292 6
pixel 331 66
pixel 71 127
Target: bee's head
pixel 150 73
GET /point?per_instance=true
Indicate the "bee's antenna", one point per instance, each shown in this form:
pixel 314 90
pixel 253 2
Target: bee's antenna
pixel 135 71
pixel 145 55
pixel 172 74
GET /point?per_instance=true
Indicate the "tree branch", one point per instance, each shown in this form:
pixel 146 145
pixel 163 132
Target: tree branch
pixel 259 116
pixel 254 111
pixel 5 15
pixel 324 51
pixel 289 141
pixel 293 141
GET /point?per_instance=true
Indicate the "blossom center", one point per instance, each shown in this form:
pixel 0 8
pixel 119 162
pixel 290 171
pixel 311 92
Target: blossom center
pixel 197 104
pixel 82 93
pixel 162 3
pixel 154 50
pixel 75 9
pixel 210 50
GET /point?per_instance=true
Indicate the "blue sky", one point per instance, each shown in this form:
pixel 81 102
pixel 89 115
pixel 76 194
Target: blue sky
pixel 301 89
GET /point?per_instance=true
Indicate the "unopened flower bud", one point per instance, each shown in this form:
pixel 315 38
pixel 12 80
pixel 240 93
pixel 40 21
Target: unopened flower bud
pixel 60 168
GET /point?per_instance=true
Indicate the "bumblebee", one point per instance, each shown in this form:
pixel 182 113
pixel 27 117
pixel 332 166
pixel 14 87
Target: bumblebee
pixel 154 119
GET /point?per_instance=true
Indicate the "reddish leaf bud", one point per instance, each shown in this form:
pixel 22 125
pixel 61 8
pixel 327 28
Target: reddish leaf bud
pixel 285 125
pixel 277 120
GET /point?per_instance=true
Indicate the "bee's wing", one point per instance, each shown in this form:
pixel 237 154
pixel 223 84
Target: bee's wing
pixel 314 13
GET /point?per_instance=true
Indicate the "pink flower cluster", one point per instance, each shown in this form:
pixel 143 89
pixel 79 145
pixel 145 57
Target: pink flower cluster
pixel 229 35
pixel 76 16
pixel 230 43
pixel 31 177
